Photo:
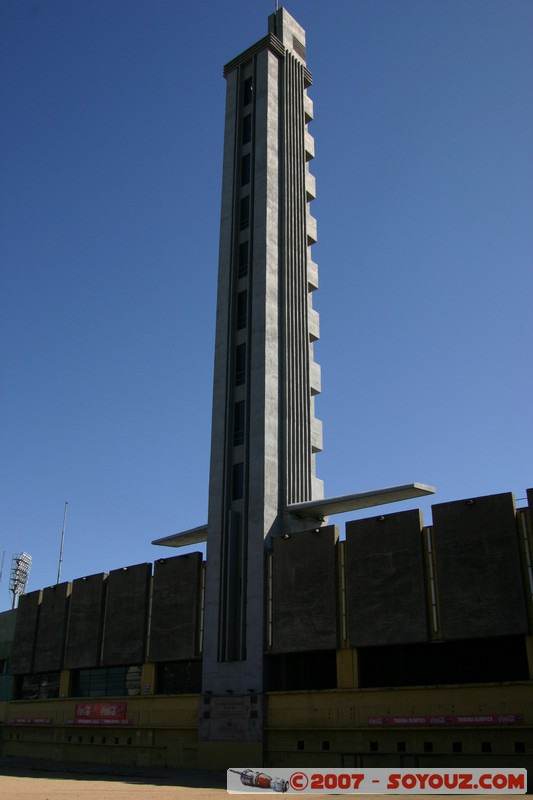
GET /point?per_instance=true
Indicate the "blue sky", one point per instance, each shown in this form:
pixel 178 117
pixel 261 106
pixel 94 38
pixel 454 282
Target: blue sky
pixel 111 147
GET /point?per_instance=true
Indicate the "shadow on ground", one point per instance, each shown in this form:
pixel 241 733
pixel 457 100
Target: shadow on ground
pixel 37 768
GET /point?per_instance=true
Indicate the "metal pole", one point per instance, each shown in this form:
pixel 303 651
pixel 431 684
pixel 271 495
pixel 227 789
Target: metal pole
pixel 62 542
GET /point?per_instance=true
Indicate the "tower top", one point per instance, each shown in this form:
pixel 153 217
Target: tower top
pixel 289 32
pixel 284 36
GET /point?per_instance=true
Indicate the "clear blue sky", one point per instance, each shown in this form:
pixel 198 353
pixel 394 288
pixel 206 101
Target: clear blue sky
pixel 111 146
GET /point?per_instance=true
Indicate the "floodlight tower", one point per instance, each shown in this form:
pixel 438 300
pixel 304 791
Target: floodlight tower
pixel 20 570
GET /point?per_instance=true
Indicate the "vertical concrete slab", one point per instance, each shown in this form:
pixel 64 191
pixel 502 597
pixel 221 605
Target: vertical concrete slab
pixel 304 591
pixel 479 576
pixel 25 633
pixel 7 633
pixel 175 608
pixel 126 615
pixel 85 623
pixel 52 628
pixel 385 590
pixel 529 495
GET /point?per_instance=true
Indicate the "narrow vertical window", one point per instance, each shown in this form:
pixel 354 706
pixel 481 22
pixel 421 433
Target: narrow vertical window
pixel 247 92
pixel 245 169
pixel 237 486
pixel 241 310
pixel 240 364
pixel 238 423
pixel 247 129
pixel 245 212
pixel 243 259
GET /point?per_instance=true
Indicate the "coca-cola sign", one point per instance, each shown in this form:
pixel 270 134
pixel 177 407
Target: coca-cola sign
pixel 101 714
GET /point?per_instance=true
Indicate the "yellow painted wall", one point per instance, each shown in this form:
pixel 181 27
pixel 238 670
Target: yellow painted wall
pixel 327 728
pixel 163 732
pixel 341 708
pixel 331 728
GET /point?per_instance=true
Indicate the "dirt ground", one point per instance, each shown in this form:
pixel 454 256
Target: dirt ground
pixel 18 784
pixel 46 781
pixel 41 785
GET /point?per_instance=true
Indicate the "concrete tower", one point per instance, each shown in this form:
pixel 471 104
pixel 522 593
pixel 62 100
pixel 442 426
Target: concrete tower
pixel 265 434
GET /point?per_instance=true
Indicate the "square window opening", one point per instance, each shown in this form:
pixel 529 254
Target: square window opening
pixel 247 92
pixel 242 310
pixel 238 423
pixel 245 212
pixel 240 364
pixel 237 486
pixel 247 129
pixel 243 260
pixel 246 169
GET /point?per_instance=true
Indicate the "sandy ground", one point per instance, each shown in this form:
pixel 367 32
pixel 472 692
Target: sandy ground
pixel 43 785
pixel 28 780
pixel 40 785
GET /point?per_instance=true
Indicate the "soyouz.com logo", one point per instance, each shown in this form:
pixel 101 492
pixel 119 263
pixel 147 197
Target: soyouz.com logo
pixel 378 781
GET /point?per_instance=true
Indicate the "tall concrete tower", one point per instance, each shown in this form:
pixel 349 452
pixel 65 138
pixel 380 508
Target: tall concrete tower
pixel 265 434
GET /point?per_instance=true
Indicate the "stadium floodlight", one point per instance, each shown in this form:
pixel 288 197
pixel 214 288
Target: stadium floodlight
pixel 20 569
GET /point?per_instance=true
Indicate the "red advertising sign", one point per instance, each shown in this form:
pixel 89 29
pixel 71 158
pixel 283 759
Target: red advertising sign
pixel 466 719
pixel 101 714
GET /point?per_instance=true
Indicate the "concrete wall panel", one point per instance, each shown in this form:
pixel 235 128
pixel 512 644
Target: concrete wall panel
pixel 25 633
pixel 305 591
pixel 175 608
pixel 7 632
pixel 479 576
pixel 52 628
pixel 529 494
pixel 84 635
pixel 126 615
pixel 385 591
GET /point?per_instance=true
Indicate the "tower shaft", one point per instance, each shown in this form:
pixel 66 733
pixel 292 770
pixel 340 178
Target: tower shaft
pixel 264 432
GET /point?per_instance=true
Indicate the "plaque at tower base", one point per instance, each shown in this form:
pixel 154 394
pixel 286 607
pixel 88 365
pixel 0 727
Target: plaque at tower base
pixel 231 718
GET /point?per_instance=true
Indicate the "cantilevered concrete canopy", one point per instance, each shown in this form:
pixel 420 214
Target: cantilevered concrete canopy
pixel 192 536
pixel 353 502
pixel 317 509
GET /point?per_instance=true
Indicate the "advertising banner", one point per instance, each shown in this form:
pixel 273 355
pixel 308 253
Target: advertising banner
pixel 464 719
pixel 101 714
